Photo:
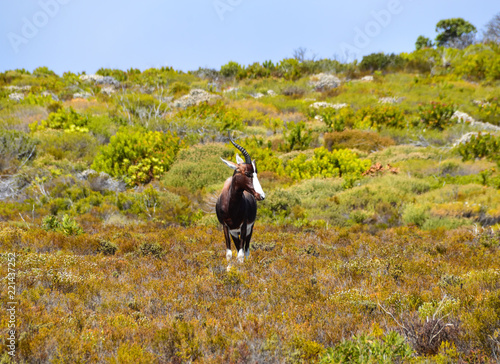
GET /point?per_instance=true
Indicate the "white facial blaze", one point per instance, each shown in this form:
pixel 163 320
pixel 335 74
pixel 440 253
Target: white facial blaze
pixel 256 184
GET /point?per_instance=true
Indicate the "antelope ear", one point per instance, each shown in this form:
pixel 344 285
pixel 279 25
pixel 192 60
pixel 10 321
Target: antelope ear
pixel 238 159
pixel 230 164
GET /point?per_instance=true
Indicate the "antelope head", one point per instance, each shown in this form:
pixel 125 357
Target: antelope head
pixel 245 173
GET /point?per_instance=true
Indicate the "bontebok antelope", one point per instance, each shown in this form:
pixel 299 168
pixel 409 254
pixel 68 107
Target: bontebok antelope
pixel 236 206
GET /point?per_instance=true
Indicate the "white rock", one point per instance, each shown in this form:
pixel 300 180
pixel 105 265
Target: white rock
pixel 18 88
pixel 257 95
pixel 465 138
pixel 271 93
pixel 194 97
pixel 108 90
pixel 323 81
pixel 52 95
pixel 16 96
pixel 100 80
pixel 367 79
pixel 231 90
pixel 322 104
pixel 390 100
pixel 463 117
pixel 82 95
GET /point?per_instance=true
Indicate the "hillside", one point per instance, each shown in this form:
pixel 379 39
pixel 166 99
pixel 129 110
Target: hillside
pixel 378 240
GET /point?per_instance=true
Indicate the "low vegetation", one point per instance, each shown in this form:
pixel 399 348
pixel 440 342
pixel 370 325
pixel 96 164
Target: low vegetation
pixel 378 240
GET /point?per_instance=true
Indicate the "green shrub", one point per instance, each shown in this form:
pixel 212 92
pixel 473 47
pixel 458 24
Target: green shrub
pixel 64 119
pixel 336 119
pixel 138 155
pixel 481 146
pixel 265 159
pixel 381 61
pixel 107 248
pixel 279 204
pixel 153 249
pixel 67 225
pixel 179 88
pixel 436 115
pixel 199 166
pixel 290 69
pixel 117 74
pixel 337 163
pixel 217 114
pixel 356 139
pixel 15 146
pixel 488 110
pixel 368 349
pixel 231 69
pixel 297 137
pixel 416 214
pixel 68 145
pixel 380 116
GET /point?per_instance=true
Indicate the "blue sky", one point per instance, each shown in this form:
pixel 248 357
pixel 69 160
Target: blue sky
pixel 84 35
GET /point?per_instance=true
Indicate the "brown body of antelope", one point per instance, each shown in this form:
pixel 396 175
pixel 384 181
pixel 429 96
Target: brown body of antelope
pixel 236 206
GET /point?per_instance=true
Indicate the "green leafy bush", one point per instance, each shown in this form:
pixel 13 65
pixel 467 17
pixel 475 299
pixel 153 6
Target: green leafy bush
pixel 117 74
pixel 337 163
pixel 64 119
pixel 481 146
pixel 199 166
pixel 297 137
pixel 67 225
pixel 218 114
pixel 68 145
pixel 488 110
pixel 179 88
pixel 357 139
pixel 436 115
pixel 14 147
pixel 231 69
pixel 138 155
pixel 266 159
pixel 380 61
pixel 336 119
pixel 380 116
pixel 107 248
pixel 368 349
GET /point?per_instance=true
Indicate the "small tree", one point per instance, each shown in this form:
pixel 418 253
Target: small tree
pixel 492 32
pixel 423 42
pixel 455 32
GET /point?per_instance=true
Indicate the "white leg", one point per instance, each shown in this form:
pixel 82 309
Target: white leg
pixel 241 256
pixel 229 254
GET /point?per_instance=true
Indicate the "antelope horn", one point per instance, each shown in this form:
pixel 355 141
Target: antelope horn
pixel 248 160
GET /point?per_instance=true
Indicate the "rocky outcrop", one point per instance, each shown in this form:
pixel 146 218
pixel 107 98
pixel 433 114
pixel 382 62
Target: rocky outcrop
pixel 100 80
pixel 194 97
pixel 322 104
pixel 16 96
pixel 101 181
pixel 82 95
pixel 462 117
pixel 324 81
pixel 390 100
